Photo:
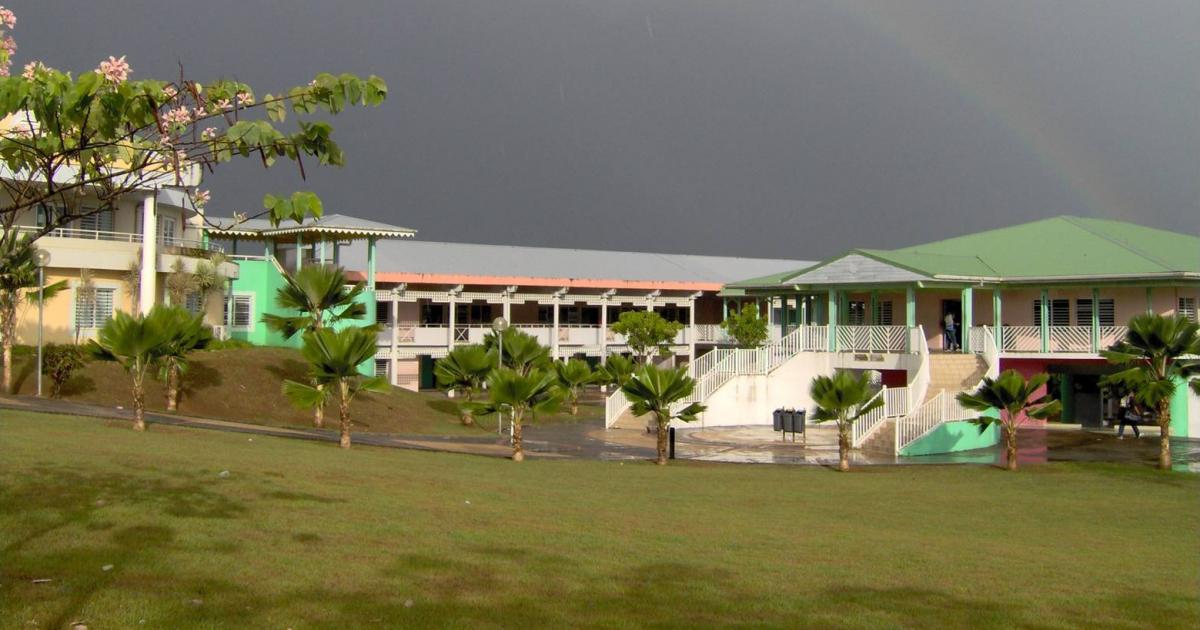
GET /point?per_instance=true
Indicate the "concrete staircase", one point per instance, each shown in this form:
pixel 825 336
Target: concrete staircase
pixel 954 372
pixel 883 439
pixel 629 421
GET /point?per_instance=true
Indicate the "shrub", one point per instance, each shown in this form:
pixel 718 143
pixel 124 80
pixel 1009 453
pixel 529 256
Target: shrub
pixel 60 362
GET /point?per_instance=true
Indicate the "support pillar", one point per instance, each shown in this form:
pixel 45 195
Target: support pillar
pixel 968 318
pixel 147 288
pixel 1044 309
pixel 783 316
pixel 873 317
pixel 450 330
pixel 554 332
pixel 692 330
pixel 804 312
pixel 603 339
pixel 1149 299
pixel 299 252
pixel 372 250
pixel 724 309
pixel 910 307
pixel 997 319
pixel 833 319
pixel 1095 320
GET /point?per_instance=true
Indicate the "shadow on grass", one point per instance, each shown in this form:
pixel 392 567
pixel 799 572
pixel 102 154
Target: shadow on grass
pixel 199 377
pixel 289 369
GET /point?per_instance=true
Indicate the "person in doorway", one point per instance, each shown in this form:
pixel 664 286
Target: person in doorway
pixel 950 340
pixel 1130 417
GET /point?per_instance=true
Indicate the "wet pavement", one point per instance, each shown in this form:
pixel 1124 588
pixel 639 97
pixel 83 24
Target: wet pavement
pixel 588 439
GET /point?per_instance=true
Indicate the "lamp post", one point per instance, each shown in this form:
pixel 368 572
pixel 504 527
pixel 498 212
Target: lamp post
pixel 499 325
pixel 41 258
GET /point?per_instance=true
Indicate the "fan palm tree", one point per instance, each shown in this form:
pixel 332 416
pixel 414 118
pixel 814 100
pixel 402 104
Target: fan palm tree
pixel 1156 354
pixel 138 343
pixel 519 394
pixel 334 357
pixel 188 333
pixel 572 376
pixel 521 351
pixel 843 398
pixel 1016 400
pixel 18 281
pixel 616 371
pixel 208 278
pixel 464 371
pixel 321 296
pixel 654 390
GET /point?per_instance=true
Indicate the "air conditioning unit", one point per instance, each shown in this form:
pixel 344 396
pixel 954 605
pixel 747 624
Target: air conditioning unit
pixel 220 332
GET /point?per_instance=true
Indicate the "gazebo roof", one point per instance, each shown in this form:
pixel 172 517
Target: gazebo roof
pixel 333 225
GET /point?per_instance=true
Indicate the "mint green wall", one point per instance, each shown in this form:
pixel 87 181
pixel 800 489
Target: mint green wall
pixel 952 437
pixel 262 278
pixel 1179 410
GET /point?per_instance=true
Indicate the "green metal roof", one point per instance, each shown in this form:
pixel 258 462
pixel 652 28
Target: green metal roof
pixel 1060 247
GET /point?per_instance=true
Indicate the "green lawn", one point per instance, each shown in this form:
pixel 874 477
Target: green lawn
pixel 244 385
pixel 302 535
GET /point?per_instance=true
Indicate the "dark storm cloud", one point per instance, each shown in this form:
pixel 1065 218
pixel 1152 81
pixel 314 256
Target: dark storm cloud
pixel 750 127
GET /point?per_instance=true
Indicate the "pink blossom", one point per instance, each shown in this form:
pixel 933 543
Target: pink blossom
pixel 10 45
pixel 166 140
pixel 32 68
pixel 201 198
pixel 245 98
pixel 170 92
pixel 178 116
pixel 224 104
pixel 209 133
pixel 115 70
pixel 7 17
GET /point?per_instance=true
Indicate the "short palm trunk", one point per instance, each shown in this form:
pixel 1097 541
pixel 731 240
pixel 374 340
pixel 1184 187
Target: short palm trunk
pixel 662 441
pixel 1010 446
pixel 518 449
pixel 139 408
pixel 1164 435
pixel 844 448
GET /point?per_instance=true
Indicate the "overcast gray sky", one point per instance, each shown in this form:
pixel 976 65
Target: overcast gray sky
pixel 783 128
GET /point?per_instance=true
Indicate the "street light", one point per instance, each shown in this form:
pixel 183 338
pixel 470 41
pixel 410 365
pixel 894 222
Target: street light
pixel 41 258
pixel 499 325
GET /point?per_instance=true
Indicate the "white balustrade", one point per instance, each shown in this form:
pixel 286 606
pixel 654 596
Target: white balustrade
pixel 1021 339
pixel 872 339
pixel 1070 339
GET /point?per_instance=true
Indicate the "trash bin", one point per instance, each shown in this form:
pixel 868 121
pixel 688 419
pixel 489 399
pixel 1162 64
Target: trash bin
pixel 798 418
pixel 789 420
pixel 778 419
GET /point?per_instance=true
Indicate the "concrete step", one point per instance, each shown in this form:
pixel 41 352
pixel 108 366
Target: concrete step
pixel 883 439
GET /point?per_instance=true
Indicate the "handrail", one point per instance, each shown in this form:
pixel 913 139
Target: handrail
pixel 864 426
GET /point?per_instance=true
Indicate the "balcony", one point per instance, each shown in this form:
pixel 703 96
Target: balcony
pixel 1056 340
pixel 568 335
pixel 76 248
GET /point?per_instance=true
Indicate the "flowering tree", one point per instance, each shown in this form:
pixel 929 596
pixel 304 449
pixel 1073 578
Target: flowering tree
pixel 105 135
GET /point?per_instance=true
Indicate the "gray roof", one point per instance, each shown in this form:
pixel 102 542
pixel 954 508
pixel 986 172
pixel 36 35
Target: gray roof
pixel 335 224
pixel 430 257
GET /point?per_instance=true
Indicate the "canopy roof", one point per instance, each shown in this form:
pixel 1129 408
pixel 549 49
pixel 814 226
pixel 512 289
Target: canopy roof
pixel 1057 249
pixel 331 225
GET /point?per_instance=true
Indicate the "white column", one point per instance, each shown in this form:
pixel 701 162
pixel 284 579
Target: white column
pixel 450 330
pixel 506 306
pixel 554 332
pixel 692 330
pixel 603 340
pixel 148 288
pixel 395 321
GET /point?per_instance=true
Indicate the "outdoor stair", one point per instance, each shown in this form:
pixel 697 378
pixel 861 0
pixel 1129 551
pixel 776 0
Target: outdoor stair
pixel 629 421
pixel 883 438
pixel 954 373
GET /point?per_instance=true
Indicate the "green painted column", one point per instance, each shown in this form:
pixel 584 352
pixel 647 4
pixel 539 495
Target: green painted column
pixel 1149 299
pixel 997 319
pixel 724 309
pixel 910 307
pixel 783 315
pixel 804 312
pixel 1095 320
pixel 871 317
pixel 968 318
pixel 820 317
pixel 1179 410
pixel 1044 309
pixel 371 251
pixel 833 298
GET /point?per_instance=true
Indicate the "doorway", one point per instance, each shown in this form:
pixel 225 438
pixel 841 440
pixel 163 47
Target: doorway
pixel 951 341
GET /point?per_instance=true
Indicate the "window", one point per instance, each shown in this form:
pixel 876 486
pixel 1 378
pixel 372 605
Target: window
pixel 883 313
pixel 97 222
pixel 381 313
pixel 47 212
pixel 856 313
pixel 1083 312
pixel 1060 312
pixel 472 314
pixel 192 303
pixel 167 230
pixel 93 307
pixel 1187 308
pixel 381 367
pixel 243 311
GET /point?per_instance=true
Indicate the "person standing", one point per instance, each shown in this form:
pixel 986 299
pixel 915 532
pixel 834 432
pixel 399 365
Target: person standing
pixel 950 340
pixel 1129 417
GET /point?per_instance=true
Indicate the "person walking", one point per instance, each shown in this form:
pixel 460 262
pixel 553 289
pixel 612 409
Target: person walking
pixel 950 340
pixel 1129 417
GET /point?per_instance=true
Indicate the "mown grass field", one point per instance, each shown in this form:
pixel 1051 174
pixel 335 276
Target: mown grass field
pixel 244 385
pixel 302 535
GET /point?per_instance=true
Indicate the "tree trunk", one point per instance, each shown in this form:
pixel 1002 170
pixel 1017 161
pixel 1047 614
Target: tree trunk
pixel 344 413
pixel 1164 435
pixel 139 407
pixel 319 410
pixel 574 406
pixel 518 453
pixel 844 447
pixel 1010 446
pixel 8 359
pixel 662 440
pixel 172 386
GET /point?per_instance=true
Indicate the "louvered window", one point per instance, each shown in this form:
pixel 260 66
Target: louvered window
pixel 856 313
pixel 1083 312
pixel 883 313
pixel 1060 312
pixel 93 308
pixel 381 367
pixel 96 222
pixel 1187 308
pixel 243 311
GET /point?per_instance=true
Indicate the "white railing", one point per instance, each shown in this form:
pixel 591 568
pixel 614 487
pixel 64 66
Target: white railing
pixel 866 425
pixel 1070 339
pixel 990 352
pixel 872 338
pixel 1021 339
pixel 919 387
pixel 122 237
pixel 1060 339
pixel 712 333
pixel 895 401
pixel 920 421
pixel 1111 334
pixel 614 406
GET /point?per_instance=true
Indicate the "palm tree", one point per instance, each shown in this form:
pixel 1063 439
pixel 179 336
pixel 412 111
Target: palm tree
pixel 616 371
pixel 320 294
pixel 521 351
pixel 572 377
pixel 138 343
pixel 18 280
pixel 519 394
pixel 188 333
pixel 654 390
pixel 1157 353
pixel 464 370
pixel 334 357
pixel 208 278
pixel 843 398
pixel 1016 400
